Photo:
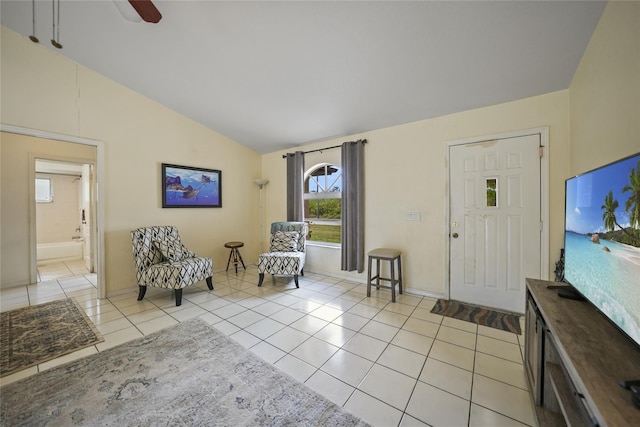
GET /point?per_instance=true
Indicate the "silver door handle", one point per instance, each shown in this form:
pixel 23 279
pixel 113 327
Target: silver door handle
pixel 454 235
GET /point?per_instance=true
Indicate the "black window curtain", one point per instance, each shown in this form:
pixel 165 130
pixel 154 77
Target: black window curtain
pixel 295 186
pixel 353 206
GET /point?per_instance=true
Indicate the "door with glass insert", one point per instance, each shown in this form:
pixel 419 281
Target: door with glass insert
pixel 495 228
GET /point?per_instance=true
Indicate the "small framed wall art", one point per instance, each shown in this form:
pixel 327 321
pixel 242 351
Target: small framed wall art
pixel 191 187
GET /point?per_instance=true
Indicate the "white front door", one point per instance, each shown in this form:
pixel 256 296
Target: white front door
pixel 495 221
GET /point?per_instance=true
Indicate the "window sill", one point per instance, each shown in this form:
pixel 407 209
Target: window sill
pixel 324 245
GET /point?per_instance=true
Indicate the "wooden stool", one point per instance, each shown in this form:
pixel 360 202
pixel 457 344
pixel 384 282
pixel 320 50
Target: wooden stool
pixel 385 254
pixel 235 254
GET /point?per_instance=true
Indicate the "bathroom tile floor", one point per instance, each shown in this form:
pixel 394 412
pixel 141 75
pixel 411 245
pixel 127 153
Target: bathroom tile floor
pixel 392 364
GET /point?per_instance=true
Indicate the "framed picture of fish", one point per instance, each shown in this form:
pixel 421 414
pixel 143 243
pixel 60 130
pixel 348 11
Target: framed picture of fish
pixel 189 187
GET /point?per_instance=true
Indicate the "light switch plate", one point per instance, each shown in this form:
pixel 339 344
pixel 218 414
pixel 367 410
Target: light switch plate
pixel 413 216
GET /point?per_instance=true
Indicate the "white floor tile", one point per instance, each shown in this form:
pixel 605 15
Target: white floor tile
pixel 364 310
pixel 402 360
pixel 453 354
pixel 327 313
pixel 228 311
pixel 268 352
pixel 375 358
pixel 424 314
pixel 333 389
pixel 351 321
pixel 190 313
pixel 499 348
pixel 412 341
pixel 295 367
pixel 226 328
pixel 287 316
pixel 372 410
pixel 409 421
pixel 388 385
pixel 500 369
pixel 309 324
pixel 108 316
pixel 314 351
pixel 379 330
pixel 482 417
pixel 448 378
pixel 497 334
pixel 502 398
pixel 119 337
pixel 155 325
pixel 399 308
pixel 421 327
pixel 264 328
pixel 287 339
pixel 437 407
pixel 246 318
pixel 245 339
pixel 366 346
pixel 268 308
pixel 335 334
pixel 115 325
pixel 391 318
pixel 347 367
pixel 457 337
pixel 460 324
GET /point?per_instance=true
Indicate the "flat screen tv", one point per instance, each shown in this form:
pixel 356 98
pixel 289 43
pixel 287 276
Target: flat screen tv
pixel 602 241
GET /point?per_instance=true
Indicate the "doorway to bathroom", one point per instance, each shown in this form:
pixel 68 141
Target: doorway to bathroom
pixel 64 198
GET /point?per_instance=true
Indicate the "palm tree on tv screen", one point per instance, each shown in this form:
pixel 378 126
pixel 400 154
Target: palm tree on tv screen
pixel 632 205
pixel 609 214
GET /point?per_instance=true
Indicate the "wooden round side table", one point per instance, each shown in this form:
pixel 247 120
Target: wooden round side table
pixel 235 254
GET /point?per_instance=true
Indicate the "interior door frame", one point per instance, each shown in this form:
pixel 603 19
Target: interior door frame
pixel 543 132
pixel 98 209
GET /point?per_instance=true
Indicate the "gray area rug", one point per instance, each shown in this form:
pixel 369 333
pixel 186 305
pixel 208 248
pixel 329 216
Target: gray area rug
pixel 186 375
pixel 38 333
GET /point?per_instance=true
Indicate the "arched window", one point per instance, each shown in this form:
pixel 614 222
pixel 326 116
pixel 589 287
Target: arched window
pixel 323 202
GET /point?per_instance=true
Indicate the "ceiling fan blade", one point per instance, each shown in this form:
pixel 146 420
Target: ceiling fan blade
pixel 147 10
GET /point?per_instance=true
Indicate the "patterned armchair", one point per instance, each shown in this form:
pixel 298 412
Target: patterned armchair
pixel 163 261
pixel 286 254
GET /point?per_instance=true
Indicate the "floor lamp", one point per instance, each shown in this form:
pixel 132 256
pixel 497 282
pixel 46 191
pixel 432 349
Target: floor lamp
pixel 261 183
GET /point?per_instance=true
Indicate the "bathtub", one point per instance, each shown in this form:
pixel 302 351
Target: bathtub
pixel 59 251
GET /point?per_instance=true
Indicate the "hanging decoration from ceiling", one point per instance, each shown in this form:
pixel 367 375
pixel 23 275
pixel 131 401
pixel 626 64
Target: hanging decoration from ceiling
pixel 33 37
pixel 55 40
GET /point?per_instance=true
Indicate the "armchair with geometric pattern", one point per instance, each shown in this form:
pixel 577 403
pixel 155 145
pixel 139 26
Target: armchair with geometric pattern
pixel 163 261
pixel 287 251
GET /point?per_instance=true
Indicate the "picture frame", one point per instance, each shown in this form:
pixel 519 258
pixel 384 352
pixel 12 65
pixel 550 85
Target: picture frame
pixel 191 187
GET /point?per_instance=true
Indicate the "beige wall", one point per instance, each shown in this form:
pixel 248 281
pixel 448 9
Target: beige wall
pixel 43 90
pixel 406 172
pixel 17 159
pixel 605 91
pixel 57 221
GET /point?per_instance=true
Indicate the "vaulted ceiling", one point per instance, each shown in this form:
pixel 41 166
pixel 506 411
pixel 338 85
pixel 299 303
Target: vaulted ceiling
pixel 273 75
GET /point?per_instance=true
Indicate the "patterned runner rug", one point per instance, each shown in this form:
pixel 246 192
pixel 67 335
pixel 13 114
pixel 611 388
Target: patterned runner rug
pixel 480 315
pixel 187 375
pixel 38 333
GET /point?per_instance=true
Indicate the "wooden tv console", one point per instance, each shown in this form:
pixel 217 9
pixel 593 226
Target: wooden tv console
pixel 574 359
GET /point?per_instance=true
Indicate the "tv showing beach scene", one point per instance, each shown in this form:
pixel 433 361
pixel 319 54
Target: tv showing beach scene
pixel 602 241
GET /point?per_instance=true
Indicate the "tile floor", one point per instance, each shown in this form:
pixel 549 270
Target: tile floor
pixel 391 364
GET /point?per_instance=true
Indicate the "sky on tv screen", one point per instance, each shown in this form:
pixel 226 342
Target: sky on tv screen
pixel 586 194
